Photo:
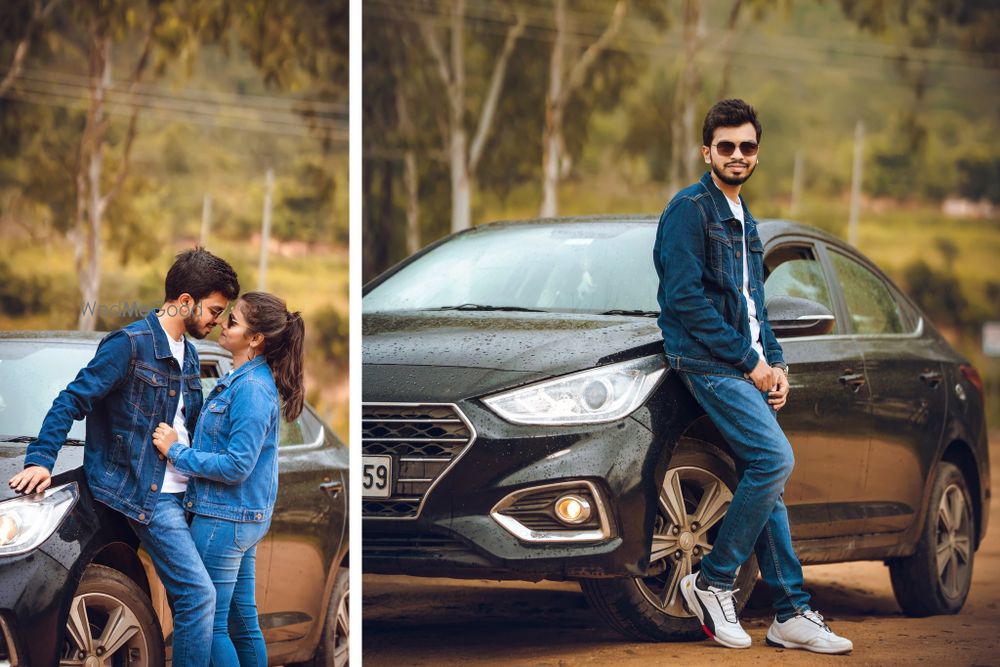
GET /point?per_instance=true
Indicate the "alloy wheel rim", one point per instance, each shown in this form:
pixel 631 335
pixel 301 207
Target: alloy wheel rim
pixel 102 630
pixel 342 631
pixel 692 504
pixel 954 542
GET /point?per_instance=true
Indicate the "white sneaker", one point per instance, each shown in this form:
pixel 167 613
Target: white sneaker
pixel 807 631
pixel 716 610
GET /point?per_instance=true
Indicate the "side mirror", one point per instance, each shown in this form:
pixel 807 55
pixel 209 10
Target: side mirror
pixel 791 317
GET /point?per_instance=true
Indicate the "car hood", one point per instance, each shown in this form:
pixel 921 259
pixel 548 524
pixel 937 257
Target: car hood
pixel 518 346
pixel 12 462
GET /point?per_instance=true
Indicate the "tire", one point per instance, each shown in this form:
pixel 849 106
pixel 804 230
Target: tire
pixel 333 643
pixel 112 620
pixel 924 583
pixel 650 608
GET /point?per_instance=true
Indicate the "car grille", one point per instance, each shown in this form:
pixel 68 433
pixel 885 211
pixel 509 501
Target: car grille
pixel 423 440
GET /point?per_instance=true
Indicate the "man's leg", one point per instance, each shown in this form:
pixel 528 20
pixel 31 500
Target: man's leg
pixel 779 566
pixel 748 424
pixel 168 540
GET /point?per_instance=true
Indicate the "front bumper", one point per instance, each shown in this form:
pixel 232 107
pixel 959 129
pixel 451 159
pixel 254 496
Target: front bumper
pixel 453 534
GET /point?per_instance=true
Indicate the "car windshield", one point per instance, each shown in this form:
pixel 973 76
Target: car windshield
pixel 567 268
pixel 31 376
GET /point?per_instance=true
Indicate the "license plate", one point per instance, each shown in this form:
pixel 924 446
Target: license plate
pixel 376 478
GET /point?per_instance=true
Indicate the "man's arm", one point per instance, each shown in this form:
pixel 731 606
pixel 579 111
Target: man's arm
pixel 682 256
pixel 249 427
pixel 104 372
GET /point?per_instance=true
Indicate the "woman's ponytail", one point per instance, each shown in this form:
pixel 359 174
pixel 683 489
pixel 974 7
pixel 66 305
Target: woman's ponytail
pixel 284 339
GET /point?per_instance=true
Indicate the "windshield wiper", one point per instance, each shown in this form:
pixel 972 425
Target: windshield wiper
pixel 633 313
pixel 483 307
pixel 31 438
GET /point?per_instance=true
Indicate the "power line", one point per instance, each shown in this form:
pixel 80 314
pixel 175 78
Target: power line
pixel 123 109
pixel 785 62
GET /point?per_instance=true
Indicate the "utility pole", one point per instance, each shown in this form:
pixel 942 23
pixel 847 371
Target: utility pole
pixel 265 234
pixel 793 209
pixel 852 221
pixel 206 219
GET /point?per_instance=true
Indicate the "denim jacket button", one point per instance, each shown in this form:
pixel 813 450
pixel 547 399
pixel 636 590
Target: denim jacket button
pixel 161 457
pixel 173 392
pixel 259 515
pixel 190 504
pixel 142 517
pixel 153 487
pixel 737 257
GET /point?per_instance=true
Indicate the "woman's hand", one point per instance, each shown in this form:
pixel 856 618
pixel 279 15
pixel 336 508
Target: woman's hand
pixel 164 437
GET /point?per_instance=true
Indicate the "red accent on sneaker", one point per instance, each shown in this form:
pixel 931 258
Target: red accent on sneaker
pixel 707 631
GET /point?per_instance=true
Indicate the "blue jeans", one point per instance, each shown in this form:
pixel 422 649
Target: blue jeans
pixel 229 551
pixel 757 519
pixel 168 541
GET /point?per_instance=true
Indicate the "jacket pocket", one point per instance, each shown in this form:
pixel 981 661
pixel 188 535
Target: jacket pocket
pixel 118 452
pixel 720 249
pixel 148 390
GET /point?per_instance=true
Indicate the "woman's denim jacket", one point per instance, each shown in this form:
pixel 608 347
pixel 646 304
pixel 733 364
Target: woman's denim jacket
pixel 233 459
pixel 698 257
pixel 132 384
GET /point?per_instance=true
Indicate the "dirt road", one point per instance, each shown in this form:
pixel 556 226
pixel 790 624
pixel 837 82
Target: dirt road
pixel 412 621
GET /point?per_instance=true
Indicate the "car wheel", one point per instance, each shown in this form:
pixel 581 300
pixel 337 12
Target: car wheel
pixel 696 492
pixel 937 577
pixel 333 644
pixel 111 622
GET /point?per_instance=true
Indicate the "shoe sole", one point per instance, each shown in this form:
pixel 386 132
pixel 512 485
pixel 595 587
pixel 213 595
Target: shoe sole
pixel 695 607
pixel 805 647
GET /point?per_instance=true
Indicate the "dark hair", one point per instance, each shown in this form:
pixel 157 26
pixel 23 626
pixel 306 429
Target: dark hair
pixel 728 113
pixel 199 273
pixel 284 334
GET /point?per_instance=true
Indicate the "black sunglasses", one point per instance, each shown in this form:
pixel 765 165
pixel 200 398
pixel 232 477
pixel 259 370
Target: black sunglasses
pixel 727 148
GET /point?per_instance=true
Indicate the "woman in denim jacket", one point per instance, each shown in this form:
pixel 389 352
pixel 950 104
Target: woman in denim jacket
pixel 233 463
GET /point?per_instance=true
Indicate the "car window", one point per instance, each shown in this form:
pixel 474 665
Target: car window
pixel 566 267
pixel 32 373
pixel 870 305
pixel 793 270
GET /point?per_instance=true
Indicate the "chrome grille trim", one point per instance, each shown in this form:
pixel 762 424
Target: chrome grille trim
pixel 427 416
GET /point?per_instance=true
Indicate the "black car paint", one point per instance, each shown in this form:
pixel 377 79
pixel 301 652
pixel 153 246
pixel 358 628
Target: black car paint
pixel 442 356
pixel 36 588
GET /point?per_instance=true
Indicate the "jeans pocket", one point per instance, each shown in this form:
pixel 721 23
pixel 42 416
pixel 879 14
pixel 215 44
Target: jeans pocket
pixel 249 534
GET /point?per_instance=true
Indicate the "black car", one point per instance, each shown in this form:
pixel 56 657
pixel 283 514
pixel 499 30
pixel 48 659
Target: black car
pixel 520 423
pixel 75 586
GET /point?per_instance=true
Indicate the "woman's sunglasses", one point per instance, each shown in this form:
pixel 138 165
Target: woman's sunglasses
pixel 727 148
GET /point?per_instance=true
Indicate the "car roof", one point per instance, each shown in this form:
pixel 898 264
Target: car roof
pixel 90 337
pixel 768 228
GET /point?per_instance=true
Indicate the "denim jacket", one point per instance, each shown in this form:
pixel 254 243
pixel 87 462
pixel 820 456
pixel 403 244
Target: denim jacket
pixel 233 458
pixel 129 387
pixel 703 315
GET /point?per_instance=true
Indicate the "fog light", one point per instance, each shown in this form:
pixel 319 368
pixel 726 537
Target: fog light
pixel 572 509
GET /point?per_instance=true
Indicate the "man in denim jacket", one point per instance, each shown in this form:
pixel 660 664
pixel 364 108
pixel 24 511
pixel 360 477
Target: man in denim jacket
pixel 716 335
pixel 141 375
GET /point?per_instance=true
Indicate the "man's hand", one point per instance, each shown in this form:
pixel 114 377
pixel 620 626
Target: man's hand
pixel 763 376
pixel 779 395
pixel 164 437
pixel 34 479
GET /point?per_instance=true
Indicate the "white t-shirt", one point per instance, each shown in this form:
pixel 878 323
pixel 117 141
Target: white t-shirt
pixel 737 210
pixel 173 481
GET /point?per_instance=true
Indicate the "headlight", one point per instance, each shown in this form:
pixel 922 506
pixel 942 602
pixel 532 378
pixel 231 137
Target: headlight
pixel 591 397
pixel 28 521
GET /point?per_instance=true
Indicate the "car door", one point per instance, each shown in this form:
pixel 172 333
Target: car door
pixel 826 418
pixel 307 531
pixel 908 392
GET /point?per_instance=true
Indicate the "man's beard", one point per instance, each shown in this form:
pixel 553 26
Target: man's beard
pixel 733 180
pixel 192 327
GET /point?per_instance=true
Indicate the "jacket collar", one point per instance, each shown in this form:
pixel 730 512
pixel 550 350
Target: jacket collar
pixel 161 348
pixel 242 370
pixel 722 210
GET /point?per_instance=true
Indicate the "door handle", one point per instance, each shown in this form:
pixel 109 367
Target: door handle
pixel 332 488
pixel 932 378
pixel 853 380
